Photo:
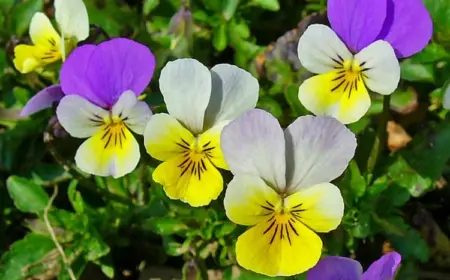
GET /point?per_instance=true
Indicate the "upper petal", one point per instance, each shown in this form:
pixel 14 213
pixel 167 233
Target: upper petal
pixel 408 26
pixel 102 73
pixel 318 150
pixel 336 268
pixel 320 50
pixel 111 151
pixel 357 22
pixel 72 18
pixel 79 117
pixel 384 268
pixel 186 87
pixel 245 198
pixel 254 144
pixel 320 207
pixel 42 100
pixel 381 69
pixel 134 113
pixel 234 91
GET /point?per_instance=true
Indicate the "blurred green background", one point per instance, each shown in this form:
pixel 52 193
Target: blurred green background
pixel 128 229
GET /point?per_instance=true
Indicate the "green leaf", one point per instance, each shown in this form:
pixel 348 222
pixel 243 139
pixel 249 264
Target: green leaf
pixel 410 244
pixel 404 101
pixel 229 8
pixel 270 105
pixel 353 184
pixel 440 13
pixel 174 248
pixel 432 53
pixel 94 246
pixel 75 197
pixel 27 196
pixel 220 40
pixel 22 13
pixel 291 95
pixel 164 225
pixel 224 229
pixel 238 273
pixel 30 250
pixel 407 177
pixel 149 5
pixel 271 5
pixel 415 72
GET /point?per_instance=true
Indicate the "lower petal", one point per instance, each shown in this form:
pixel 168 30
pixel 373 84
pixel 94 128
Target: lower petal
pixel 210 140
pixel 277 249
pixel 29 58
pixel 320 207
pixel 195 182
pixel 111 151
pixel 328 95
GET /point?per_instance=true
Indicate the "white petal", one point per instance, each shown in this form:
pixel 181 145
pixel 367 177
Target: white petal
pixel 134 113
pixel 383 69
pixel 79 117
pixel 254 144
pixel 234 91
pixel 320 49
pixel 72 18
pixel 186 87
pixel 318 150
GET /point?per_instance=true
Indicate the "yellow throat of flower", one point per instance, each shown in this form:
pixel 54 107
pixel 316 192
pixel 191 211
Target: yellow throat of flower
pixel 349 76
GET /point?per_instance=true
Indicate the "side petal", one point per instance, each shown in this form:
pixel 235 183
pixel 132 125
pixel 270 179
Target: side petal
pixel 42 100
pixel 109 152
pixel 357 22
pixel 42 31
pixel 72 18
pixel 384 268
pixel 381 67
pixel 326 95
pixel 320 50
pixel 134 113
pixel 254 144
pixel 186 87
pixel 278 250
pixel 164 137
pixel 318 151
pixel 209 141
pixel 79 117
pixel 234 91
pixel 245 198
pixel 408 27
pixel 320 207
pixel 336 268
pixel 190 183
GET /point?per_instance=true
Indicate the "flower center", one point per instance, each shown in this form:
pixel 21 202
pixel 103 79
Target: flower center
pixel 282 221
pixel 350 75
pixel 194 155
pixel 114 130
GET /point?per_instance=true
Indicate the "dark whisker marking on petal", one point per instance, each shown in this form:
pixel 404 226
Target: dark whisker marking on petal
pixel 120 140
pixel 350 91
pixel 274 234
pixel 287 234
pixel 281 232
pixel 362 64
pixel 181 164
pixel 296 206
pixel 338 86
pixel 125 119
pixel 346 86
pixel 290 219
pixel 106 132
pixel 185 142
pixel 199 171
pixel 123 133
pixel 182 146
pixel 209 149
pixel 97 121
pixel 207 144
pixel 336 61
pixel 107 142
pixel 270 204
pixel 356 85
pixel 120 115
pixel 297 210
pixel 340 72
pixel 340 58
pixel 294 215
pixel 365 69
pixel 293 228
pixel 273 217
pixel 47 57
pixel 268 229
pixel 193 170
pixel 203 164
pixel 339 77
pixel 267 208
pixel 51 41
pixel 186 168
pixel 115 138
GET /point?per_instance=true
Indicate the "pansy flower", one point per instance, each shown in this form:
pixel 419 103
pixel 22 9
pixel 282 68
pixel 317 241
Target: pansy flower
pixel 200 102
pixel 101 86
pixel 359 53
pixel 281 188
pixel 332 268
pixel 49 46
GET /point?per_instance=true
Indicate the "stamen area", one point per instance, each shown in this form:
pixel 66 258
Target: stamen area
pixel 349 77
pixel 281 226
pixel 195 157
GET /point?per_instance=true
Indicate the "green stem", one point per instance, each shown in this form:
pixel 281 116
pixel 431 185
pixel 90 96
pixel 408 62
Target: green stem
pixel 380 139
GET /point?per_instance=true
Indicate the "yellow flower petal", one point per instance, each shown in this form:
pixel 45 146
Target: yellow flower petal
pixel 190 178
pixel 340 94
pixel 210 140
pixel 320 207
pixel 281 246
pixel 111 151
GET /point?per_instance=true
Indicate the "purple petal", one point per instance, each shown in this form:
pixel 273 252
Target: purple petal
pixel 42 100
pixel 102 73
pixel 408 27
pixel 335 268
pixel 357 22
pixel 384 268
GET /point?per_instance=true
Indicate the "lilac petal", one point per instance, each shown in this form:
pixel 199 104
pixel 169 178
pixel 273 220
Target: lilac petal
pixel 42 100
pixel 384 268
pixel 408 27
pixel 102 73
pixel 335 268
pixel 357 22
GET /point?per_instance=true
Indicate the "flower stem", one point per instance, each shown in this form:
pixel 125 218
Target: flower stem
pixel 380 139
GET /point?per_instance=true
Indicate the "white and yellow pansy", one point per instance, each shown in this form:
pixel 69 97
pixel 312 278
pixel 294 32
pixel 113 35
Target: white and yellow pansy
pixel 200 102
pixel 49 46
pixel 281 188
